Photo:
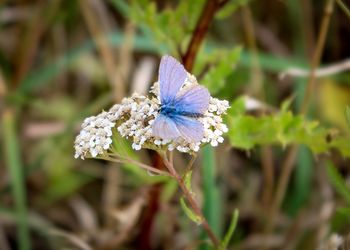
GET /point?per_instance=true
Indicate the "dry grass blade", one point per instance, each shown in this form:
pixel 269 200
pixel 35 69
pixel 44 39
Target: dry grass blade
pixel 329 70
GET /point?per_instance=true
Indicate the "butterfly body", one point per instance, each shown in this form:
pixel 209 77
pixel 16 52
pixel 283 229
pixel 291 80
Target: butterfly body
pixel 179 108
pixel 173 111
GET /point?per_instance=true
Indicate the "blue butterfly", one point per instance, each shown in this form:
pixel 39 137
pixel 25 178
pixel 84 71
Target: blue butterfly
pixel 179 108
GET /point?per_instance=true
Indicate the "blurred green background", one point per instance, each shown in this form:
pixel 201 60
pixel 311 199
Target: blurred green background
pixel 285 168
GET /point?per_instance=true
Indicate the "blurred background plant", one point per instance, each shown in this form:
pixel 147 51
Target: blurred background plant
pixel 283 65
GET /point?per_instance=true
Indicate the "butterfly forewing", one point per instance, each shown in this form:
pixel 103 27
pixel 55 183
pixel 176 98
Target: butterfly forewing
pixel 178 109
pixel 172 75
pixel 193 100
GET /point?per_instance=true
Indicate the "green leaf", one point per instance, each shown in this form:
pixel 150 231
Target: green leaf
pixel 340 219
pixel 344 211
pixel 230 230
pixel 238 106
pixel 187 180
pixel 283 128
pixel 189 212
pixel 212 202
pixel 181 18
pixel 338 182
pixel 15 168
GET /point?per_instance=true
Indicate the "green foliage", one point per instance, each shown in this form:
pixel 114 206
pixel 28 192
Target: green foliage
pixel 282 128
pixel 188 180
pixel 171 26
pixel 188 211
pixel 222 63
pixel 338 182
pixel 341 219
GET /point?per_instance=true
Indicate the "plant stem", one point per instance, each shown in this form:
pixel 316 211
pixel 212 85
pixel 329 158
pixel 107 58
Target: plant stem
pixel 199 33
pixel 189 197
pixel 344 8
pixel 126 160
pixel 328 10
pixel 289 161
pixel 190 165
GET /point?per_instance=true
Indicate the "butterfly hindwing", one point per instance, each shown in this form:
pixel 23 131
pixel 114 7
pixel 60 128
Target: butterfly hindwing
pixel 165 128
pixel 190 129
pixel 193 100
pixel 172 75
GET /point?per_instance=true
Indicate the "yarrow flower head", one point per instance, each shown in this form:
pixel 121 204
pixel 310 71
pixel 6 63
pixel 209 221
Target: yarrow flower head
pixel 178 114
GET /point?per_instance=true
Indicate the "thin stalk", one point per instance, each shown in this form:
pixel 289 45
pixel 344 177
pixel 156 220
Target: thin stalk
pixel 289 161
pixel 15 168
pixel 106 52
pixel 317 54
pixel 257 89
pixel 200 31
pixel 126 160
pixel 189 166
pixel 344 8
pixel 189 197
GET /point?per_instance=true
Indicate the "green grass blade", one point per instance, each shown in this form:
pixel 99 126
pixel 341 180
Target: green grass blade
pixel 212 203
pixel 14 164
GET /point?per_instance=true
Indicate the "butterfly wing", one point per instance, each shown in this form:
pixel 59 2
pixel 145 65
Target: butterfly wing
pixel 172 75
pixel 193 100
pixel 171 128
pixel 165 128
pixel 190 129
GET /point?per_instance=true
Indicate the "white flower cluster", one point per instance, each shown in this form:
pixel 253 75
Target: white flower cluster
pixel 133 119
pixel 95 136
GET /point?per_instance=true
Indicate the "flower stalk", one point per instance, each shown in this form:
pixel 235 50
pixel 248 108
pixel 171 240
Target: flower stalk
pixel 169 163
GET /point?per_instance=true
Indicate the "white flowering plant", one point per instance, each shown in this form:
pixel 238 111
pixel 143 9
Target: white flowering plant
pixel 134 119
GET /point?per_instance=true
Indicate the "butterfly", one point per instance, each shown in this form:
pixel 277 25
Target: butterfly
pixel 179 108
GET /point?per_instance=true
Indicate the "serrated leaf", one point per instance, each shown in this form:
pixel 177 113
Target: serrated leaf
pixel 189 212
pixel 283 128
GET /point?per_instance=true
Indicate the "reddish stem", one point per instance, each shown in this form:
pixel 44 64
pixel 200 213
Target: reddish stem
pixel 200 31
pixel 189 197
